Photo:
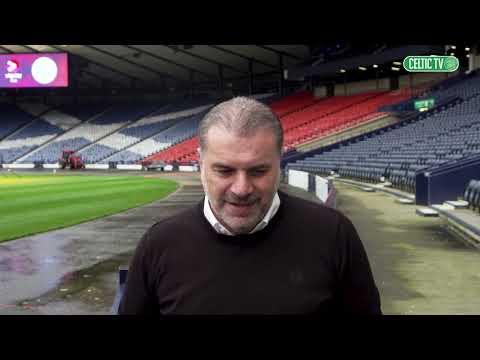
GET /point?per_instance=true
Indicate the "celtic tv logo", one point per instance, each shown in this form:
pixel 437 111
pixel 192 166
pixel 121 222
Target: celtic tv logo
pixel 451 64
pixel 431 63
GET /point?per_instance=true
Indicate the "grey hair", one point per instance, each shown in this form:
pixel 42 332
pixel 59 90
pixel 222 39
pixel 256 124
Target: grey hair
pixel 243 116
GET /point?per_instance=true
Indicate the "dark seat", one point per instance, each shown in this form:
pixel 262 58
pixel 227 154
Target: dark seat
pixel 467 196
pixel 122 279
pixel 476 196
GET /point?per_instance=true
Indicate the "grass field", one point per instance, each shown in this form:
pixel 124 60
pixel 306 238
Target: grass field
pixel 30 204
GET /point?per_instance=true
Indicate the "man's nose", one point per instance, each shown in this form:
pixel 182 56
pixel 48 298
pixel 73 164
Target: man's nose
pixel 242 185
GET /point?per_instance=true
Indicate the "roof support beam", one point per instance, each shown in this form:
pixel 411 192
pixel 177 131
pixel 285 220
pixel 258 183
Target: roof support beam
pixel 282 80
pixel 158 57
pixel 279 52
pixel 226 66
pixel 102 79
pixel 98 64
pixel 7 50
pixel 219 48
pixel 144 67
pixel 220 76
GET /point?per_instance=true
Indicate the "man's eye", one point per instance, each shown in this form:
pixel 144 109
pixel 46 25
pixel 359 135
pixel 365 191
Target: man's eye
pixel 224 171
pixel 258 172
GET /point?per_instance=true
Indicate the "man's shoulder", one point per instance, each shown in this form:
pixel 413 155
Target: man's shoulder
pixel 173 227
pixel 180 220
pixel 170 235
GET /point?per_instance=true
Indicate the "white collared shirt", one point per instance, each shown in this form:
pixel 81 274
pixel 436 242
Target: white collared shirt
pixel 219 228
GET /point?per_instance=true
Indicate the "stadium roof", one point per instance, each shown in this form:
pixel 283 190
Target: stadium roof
pixel 169 65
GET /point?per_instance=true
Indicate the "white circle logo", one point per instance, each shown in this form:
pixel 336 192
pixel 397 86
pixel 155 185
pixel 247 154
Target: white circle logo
pixel 44 70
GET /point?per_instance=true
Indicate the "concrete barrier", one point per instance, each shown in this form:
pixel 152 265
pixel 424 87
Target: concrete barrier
pixel 51 166
pixel 18 166
pixel 298 179
pixel 129 167
pixel 97 166
pixel 323 188
pixel 188 168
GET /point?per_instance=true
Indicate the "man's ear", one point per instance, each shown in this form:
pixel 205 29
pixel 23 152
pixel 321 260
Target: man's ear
pixel 199 156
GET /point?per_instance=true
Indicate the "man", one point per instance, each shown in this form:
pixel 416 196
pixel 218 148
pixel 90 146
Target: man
pixel 248 248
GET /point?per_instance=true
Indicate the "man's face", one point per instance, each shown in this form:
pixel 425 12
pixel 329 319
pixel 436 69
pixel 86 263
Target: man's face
pixel 240 176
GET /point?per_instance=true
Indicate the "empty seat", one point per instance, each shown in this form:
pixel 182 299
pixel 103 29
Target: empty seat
pixel 468 195
pixel 476 196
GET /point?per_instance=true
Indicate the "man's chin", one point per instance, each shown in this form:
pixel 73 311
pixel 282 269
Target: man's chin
pixel 240 228
pixel 242 231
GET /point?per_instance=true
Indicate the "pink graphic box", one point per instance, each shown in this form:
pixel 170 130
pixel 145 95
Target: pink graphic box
pixel 33 70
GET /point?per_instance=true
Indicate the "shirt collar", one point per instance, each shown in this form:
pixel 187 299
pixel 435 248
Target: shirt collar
pixel 219 228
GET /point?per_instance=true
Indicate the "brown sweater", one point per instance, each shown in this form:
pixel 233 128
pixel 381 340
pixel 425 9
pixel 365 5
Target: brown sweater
pixel 308 260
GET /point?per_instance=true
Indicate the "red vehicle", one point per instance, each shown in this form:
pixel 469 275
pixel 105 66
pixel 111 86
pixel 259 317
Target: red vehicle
pixel 71 159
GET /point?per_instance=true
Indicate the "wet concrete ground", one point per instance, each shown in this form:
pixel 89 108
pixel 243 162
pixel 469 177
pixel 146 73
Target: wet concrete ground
pixel 418 266
pixel 74 270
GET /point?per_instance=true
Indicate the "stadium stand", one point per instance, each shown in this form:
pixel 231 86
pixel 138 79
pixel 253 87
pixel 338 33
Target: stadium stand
pixel 184 128
pixel 97 127
pixel 396 154
pixel 12 118
pixel 36 133
pixel 305 117
pixel 185 152
pixel 140 130
pixel 294 102
pixel 335 114
pixel 169 137
pixel 33 109
pixel 461 86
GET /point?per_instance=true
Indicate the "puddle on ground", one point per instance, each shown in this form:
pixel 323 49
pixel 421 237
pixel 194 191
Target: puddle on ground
pixel 93 287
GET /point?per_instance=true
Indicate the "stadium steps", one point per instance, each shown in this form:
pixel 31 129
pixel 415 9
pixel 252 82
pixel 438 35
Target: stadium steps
pixel 63 133
pixel 373 124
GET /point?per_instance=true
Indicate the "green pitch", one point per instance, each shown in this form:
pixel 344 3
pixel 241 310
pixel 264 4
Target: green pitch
pixel 33 204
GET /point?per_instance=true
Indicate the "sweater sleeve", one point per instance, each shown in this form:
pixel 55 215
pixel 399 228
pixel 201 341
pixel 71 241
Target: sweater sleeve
pixel 357 291
pixel 139 297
